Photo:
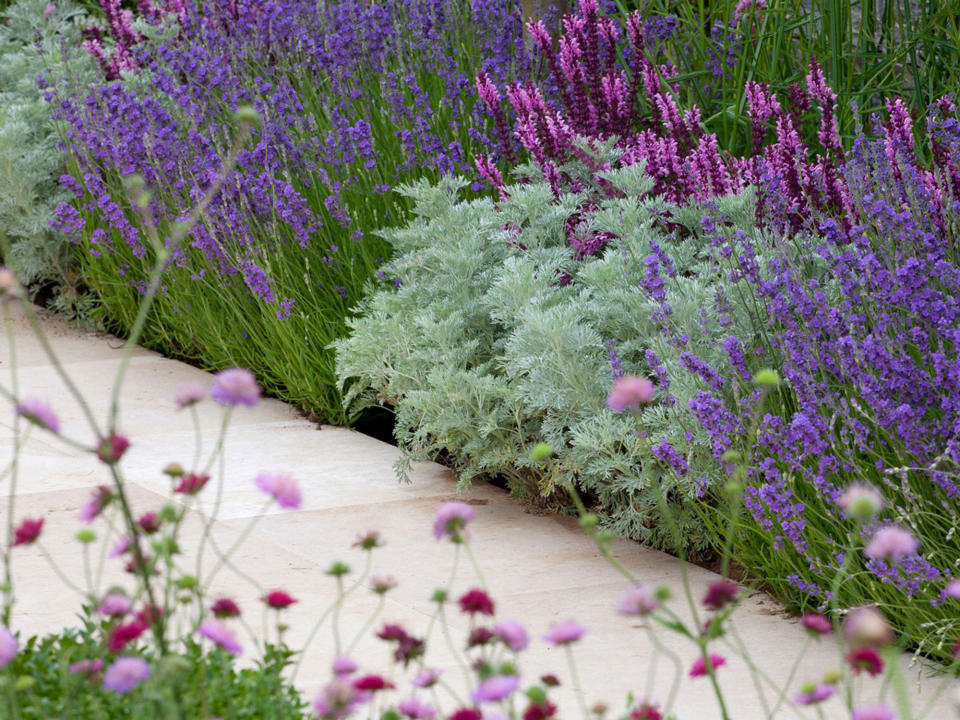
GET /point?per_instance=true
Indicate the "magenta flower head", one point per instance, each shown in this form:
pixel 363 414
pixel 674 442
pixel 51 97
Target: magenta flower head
pixel 121 546
pixel 415 709
pixel 191 483
pixel 111 449
pixel 27 532
pixel 865 658
pixel 812 693
pixel 39 413
pixel 221 635
pixel 125 674
pixel 512 634
pixel 100 498
pixel 720 594
pixel 629 392
pixel 872 712
pixel 225 608
pixel 564 633
pixel 495 688
pixel 236 386
pixel 344 666
pixel 476 601
pixel 817 624
pixel 115 605
pixel 427 678
pixel 278 599
pixel 189 394
pixel 638 600
pixel 451 521
pixel 699 667
pixel 891 543
pixel 283 488
pixel 8 646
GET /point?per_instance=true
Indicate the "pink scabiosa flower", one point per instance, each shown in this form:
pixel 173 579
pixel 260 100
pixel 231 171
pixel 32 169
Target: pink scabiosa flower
pixel 283 488
pixel 372 683
pixel 812 693
pixel 115 605
pixel 123 635
pixel 952 590
pixel 699 667
pixel 816 624
pixel 629 392
pixel 452 520
pixel 49 11
pixel 891 543
pixel 564 633
pixel 225 608
pixel 149 523
pixel 495 688
pixel 125 674
pixel 646 710
pixel 91 509
pixel 121 546
pixel 512 634
pixel 221 635
pixel 861 501
pixel 191 483
pixel 638 600
pixel 415 709
pixel 865 658
pixel 466 714
pixel 86 667
pixel 278 599
pixel 113 448
pixel 236 386
pixel 427 678
pixel 344 666
pixel 40 414
pixel 866 626
pixel 338 699
pixel 475 601
pixel 27 532
pixel 872 712
pixel 479 636
pixel 188 394
pixel 720 594
pixel 8 646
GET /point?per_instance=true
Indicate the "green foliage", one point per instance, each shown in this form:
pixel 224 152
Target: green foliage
pixel 31 45
pixel 38 685
pixel 495 341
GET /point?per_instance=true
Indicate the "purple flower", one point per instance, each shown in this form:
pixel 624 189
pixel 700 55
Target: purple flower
pixel 891 543
pixel 283 488
pixel 638 600
pixel 8 646
pixel 628 392
pixel 814 694
pixel 115 605
pixel 221 635
pixel 495 688
pixel 427 678
pixel 39 413
pixel 344 666
pixel 416 709
pixel 125 674
pixel 564 633
pixel 872 712
pixel 86 667
pixel 451 521
pixel 513 634
pixel 236 386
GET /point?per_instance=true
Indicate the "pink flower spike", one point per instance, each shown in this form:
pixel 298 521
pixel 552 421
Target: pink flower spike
pixel 872 712
pixel 952 590
pixel 699 667
pixel 564 633
pixel 8 646
pixel 891 543
pixel 629 392
pixel 221 635
pixel 638 600
pixel 114 605
pixel 125 674
pixel 495 688
pixel 451 521
pixel 39 413
pixel 283 488
pixel 513 635
pixel 188 394
pixel 236 386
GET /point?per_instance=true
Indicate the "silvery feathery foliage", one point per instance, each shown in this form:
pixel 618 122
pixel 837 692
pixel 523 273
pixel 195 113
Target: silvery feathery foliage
pixel 494 333
pixel 35 43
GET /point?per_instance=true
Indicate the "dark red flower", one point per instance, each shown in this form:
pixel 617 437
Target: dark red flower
pixel 646 711
pixel 149 523
pixel 191 483
pixel 133 565
pixel 720 594
pixel 392 632
pixel 480 636
pixel 149 614
pixel 372 683
pixel 278 599
pixel 865 658
pixel 111 449
pixel 27 531
pixel 466 714
pixel 550 680
pixel 225 608
pixel 538 711
pixel 476 601
pixel 123 635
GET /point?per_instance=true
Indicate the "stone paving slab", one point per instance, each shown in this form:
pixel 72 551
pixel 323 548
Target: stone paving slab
pixel 539 568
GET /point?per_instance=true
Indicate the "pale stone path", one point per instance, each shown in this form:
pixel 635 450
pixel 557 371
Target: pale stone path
pixel 539 569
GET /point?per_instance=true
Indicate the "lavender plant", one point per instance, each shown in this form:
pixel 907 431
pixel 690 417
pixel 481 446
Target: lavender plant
pixel 354 97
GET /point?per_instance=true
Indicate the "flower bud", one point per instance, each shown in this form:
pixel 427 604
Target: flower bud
pixel 247 115
pixel 338 569
pixel 86 536
pixel 766 378
pixel 540 451
pixel 173 469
